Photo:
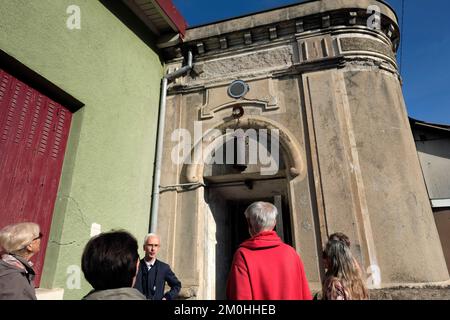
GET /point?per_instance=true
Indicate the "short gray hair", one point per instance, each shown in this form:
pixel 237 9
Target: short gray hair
pixel 15 237
pixel 151 235
pixel 261 215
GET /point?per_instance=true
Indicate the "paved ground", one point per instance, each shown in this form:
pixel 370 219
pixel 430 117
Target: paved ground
pixel 425 293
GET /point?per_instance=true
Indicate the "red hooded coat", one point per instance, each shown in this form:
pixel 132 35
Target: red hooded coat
pixel 265 268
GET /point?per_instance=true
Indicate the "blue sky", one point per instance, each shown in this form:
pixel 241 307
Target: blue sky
pixel 426 46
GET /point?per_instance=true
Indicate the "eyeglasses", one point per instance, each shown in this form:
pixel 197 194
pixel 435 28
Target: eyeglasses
pixel 39 236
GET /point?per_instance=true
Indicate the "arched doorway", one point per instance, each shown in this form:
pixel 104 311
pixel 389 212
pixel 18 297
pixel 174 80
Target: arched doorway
pixel 231 186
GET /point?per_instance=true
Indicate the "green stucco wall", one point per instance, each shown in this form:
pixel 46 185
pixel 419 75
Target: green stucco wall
pixel 107 174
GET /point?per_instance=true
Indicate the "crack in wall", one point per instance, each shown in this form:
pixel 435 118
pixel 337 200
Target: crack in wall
pixel 78 209
pixel 62 244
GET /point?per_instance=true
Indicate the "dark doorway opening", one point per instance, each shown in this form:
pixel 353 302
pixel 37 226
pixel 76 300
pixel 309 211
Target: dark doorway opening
pixel 228 202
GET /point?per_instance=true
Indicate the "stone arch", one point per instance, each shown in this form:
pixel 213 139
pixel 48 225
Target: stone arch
pixel 288 145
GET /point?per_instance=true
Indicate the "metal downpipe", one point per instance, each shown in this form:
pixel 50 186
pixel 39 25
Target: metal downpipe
pixel 160 138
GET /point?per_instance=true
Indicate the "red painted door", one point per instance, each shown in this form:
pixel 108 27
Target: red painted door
pixel 33 136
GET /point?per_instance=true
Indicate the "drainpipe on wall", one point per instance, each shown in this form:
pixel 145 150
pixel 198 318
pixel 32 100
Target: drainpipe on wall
pixel 160 136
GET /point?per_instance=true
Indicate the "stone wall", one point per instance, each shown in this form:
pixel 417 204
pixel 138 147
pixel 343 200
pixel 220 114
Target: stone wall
pixel 331 85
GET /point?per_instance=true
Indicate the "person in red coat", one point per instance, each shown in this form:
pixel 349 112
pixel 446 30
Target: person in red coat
pixel 265 268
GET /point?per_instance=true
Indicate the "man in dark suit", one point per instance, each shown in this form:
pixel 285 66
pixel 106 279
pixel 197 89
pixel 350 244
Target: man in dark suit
pixel 153 273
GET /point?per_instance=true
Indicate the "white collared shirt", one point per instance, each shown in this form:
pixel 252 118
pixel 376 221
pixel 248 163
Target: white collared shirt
pixel 150 263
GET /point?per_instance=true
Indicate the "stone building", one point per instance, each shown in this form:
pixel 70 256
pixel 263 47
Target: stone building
pixel 313 87
pixel 324 80
pixel 433 147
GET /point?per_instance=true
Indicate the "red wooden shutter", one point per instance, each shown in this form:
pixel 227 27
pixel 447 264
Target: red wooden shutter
pixel 33 136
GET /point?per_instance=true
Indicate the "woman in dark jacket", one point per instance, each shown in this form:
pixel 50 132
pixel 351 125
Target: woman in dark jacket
pixel 18 242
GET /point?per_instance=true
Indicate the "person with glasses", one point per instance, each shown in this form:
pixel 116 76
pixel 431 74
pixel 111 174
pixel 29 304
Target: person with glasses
pixel 18 242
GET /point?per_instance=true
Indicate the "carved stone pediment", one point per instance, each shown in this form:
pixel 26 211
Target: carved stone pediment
pixel 262 94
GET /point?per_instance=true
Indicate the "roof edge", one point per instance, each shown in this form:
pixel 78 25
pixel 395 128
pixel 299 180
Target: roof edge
pixel 430 125
pixel 292 11
pixel 177 21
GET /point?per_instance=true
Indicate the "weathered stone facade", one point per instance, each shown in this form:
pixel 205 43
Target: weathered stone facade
pixel 330 85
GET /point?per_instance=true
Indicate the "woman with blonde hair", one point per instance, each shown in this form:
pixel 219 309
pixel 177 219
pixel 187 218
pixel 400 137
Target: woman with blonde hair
pixel 18 242
pixel 343 278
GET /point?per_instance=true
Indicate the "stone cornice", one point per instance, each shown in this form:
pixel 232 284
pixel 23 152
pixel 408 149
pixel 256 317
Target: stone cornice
pixel 297 11
pixel 294 70
pixel 300 20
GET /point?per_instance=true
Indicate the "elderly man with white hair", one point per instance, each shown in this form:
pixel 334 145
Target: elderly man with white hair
pixel 19 242
pixel 153 273
pixel 265 268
